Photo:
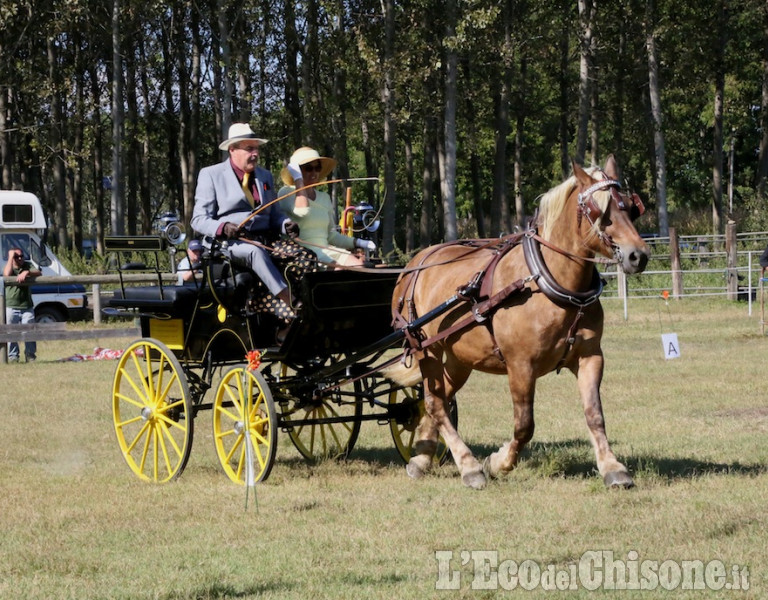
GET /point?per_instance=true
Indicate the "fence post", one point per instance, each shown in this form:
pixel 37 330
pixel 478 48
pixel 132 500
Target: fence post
pixel 96 300
pixel 732 284
pixel 3 347
pixel 674 255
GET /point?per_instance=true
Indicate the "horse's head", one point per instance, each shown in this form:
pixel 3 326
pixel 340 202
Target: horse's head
pixel 610 214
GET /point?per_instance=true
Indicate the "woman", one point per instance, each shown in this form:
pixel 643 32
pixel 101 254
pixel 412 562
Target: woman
pixel 312 209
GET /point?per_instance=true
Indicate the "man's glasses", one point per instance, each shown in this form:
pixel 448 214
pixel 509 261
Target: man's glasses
pixel 317 167
pixel 249 149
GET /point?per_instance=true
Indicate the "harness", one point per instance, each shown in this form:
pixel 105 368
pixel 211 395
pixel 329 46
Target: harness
pixel 477 292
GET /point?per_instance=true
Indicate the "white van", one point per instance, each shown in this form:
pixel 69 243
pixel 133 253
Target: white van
pixel 23 224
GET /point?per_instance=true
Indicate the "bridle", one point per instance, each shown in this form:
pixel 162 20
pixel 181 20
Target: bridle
pixel 589 209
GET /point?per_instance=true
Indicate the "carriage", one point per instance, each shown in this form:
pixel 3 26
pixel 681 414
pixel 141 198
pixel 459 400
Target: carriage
pixel 523 305
pixel 201 350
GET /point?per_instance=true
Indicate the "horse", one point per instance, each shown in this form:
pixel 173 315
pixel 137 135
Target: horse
pixel 532 307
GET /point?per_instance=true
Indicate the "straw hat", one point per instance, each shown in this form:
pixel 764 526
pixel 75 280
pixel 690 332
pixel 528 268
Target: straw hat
pixel 306 155
pixel 239 132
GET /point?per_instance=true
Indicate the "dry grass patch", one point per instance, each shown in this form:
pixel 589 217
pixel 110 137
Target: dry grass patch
pixel 78 525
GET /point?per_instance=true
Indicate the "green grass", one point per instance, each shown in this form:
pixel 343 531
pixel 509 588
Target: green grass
pixel 76 523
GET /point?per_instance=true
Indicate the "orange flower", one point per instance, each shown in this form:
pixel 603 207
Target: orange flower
pixel 254 360
pixel 665 295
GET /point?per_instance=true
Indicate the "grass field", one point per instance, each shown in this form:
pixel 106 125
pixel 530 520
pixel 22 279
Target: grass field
pixel 75 523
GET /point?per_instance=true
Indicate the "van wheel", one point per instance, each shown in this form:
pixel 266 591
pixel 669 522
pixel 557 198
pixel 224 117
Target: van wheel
pixel 49 314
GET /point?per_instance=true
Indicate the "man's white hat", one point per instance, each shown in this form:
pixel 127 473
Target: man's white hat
pixel 239 132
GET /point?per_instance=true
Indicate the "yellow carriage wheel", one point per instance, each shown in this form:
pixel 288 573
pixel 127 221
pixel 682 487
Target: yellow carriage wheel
pixel 152 411
pixel 244 425
pixel 405 427
pixel 326 427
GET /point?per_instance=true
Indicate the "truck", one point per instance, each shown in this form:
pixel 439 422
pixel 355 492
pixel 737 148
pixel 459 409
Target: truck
pixel 23 224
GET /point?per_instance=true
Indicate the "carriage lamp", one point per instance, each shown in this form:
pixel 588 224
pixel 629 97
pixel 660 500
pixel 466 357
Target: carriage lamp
pixel 171 227
pixel 366 218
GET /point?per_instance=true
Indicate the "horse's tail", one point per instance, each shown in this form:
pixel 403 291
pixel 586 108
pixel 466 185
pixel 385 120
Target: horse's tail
pixel 402 375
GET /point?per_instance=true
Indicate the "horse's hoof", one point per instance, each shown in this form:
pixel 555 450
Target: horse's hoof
pixel 414 471
pixel 487 468
pixel 618 479
pixel 475 480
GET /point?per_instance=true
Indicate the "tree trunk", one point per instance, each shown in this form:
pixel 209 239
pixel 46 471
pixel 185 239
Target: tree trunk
pixel 309 59
pixel 587 10
pixel 448 173
pixel 292 105
pixel 227 89
pixel 57 142
pixel 98 159
pixel 75 193
pixel 475 169
pixel 519 139
pixel 134 150
pixel 388 100
pixel 717 134
pixel 502 86
pixel 409 194
pixel 117 214
pixel 660 160
pixel 428 182
pixel 565 59
pixel 5 154
pixel 762 167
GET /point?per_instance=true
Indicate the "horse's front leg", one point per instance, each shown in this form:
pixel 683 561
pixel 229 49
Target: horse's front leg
pixel 440 383
pixel 590 374
pixel 522 387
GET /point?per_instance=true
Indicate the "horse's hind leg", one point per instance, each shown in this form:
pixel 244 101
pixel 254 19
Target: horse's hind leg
pixel 440 384
pixel 590 374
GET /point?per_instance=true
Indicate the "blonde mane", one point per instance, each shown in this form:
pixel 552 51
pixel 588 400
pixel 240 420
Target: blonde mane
pixel 552 203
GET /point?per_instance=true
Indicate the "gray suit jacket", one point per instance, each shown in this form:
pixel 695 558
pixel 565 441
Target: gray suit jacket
pixel 220 199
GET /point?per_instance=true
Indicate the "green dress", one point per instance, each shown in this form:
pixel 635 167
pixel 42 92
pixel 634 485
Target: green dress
pixel 317 225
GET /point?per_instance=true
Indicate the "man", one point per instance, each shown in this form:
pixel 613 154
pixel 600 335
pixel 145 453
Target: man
pixel 19 307
pixel 225 196
pixel 189 266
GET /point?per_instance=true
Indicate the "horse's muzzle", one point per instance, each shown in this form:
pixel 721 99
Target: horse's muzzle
pixel 635 259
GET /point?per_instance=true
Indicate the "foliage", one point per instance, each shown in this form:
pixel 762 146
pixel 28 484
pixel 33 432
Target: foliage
pixel 318 71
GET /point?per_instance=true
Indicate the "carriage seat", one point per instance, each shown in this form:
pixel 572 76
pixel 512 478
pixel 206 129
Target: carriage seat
pixel 170 299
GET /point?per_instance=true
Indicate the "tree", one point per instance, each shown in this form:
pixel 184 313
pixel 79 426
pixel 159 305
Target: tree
pixel 660 181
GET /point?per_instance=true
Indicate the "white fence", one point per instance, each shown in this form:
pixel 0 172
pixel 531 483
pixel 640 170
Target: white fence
pixel 706 269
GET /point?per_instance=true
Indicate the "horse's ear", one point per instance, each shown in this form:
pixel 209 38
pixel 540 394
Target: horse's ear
pixel 611 167
pixel 580 174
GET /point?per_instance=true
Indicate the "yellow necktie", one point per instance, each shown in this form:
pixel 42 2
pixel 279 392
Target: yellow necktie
pixel 247 189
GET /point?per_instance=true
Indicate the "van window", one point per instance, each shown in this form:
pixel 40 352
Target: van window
pixel 30 247
pixel 17 213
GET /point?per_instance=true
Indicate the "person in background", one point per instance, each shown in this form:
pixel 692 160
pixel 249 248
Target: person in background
pixel 225 197
pixel 189 266
pixel 19 307
pixel 312 209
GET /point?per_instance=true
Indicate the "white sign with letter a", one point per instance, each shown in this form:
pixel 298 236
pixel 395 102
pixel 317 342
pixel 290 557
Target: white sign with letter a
pixel 671 347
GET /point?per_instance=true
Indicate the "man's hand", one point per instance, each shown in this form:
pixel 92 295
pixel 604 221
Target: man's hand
pixel 291 229
pixel 230 231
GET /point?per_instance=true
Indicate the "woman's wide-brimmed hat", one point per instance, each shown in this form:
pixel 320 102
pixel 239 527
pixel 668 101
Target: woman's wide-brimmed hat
pixel 240 132
pixel 305 155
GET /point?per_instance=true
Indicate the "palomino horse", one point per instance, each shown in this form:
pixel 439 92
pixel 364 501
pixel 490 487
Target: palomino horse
pixel 533 307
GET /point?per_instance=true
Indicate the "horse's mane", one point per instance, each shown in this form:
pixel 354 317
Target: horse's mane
pixel 552 203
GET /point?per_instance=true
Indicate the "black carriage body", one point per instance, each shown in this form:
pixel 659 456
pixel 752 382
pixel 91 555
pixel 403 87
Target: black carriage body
pixel 342 312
